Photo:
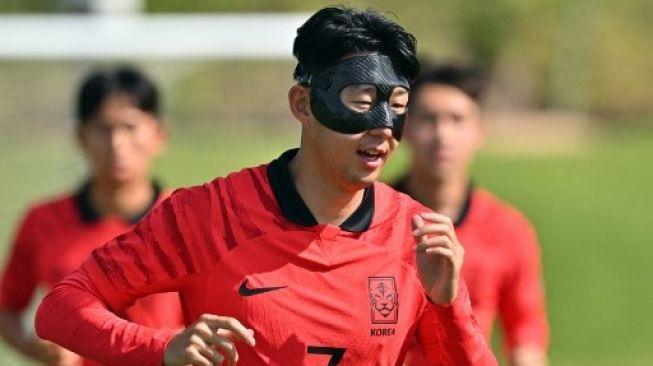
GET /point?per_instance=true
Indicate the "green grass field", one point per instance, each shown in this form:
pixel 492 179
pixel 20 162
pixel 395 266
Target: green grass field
pixel 591 209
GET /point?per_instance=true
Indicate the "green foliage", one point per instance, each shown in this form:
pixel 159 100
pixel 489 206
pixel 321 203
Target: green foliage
pixel 583 55
pixel 486 27
pixel 40 6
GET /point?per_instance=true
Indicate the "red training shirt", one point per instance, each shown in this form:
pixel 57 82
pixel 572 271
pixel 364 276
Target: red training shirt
pixel 502 270
pixel 247 246
pixel 55 237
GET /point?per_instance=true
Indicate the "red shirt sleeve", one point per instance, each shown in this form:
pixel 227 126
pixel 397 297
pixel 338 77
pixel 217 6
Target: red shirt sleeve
pixel 522 306
pixel 74 315
pixel 154 257
pixel 449 334
pixel 19 279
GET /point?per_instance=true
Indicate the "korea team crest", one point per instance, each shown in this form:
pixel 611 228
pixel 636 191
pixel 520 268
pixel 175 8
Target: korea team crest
pixel 384 300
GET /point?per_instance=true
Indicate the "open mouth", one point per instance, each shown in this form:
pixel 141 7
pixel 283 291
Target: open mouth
pixel 371 154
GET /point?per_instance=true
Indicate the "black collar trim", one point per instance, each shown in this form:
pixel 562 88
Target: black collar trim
pixel 294 208
pixel 464 213
pixel 88 213
pixel 401 185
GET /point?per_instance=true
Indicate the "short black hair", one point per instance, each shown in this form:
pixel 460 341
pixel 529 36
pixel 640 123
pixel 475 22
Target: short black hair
pixel 469 78
pixel 335 32
pixel 100 84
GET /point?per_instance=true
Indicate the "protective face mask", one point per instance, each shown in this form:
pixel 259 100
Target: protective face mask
pixel 330 110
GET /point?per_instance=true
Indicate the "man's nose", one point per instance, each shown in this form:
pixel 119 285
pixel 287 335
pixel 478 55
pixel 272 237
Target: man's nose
pixel 118 139
pixel 385 132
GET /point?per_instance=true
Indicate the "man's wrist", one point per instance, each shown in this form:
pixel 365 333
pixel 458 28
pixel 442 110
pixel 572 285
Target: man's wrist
pixel 451 294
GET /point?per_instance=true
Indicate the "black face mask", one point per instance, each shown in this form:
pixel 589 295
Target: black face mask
pixel 327 105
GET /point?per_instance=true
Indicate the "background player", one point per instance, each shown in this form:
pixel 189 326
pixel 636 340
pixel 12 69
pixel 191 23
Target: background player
pixel 119 134
pixel 502 263
pixel 306 260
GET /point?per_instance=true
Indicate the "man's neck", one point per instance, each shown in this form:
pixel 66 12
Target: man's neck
pixel 445 196
pixel 329 203
pixel 121 200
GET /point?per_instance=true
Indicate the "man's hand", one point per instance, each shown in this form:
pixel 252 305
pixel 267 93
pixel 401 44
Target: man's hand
pixel 528 356
pixel 208 342
pixel 439 256
pixel 50 353
pixel 14 332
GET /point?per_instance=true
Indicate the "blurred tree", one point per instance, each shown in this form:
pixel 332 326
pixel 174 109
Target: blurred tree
pixel 586 55
pixel 43 6
pixel 486 27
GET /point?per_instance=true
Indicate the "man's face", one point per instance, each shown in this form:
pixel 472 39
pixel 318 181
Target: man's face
pixel 355 160
pixel 121 141
pixel 444 129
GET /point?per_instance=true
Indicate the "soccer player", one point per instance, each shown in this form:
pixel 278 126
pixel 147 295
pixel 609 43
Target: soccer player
pixel 303 261
pixel 119 134
pixel 502 265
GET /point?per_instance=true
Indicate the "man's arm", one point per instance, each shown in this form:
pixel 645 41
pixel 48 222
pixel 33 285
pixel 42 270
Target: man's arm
pixel 15 334
pixel 174 246
pixel 165 252
pixel 17 285
pixel 75 316
pixel 522 307
pixel 449 334
pixel 448 331
pixel 79 312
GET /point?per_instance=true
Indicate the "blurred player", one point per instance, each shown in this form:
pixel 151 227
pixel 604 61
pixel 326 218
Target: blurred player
pixel 502 264
pixel 303 261
pixel 119 134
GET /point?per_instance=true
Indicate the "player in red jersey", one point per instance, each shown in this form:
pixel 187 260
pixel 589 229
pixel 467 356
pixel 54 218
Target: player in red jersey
pixel 303 261
pixel 502 264
pixel 119 133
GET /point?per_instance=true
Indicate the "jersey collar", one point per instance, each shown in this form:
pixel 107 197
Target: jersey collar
pixel 88 213
pixel 294 208
pixel 401 186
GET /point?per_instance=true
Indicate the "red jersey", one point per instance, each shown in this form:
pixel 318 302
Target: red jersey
pixel 247 246
pixel 54 238
pixel 502 270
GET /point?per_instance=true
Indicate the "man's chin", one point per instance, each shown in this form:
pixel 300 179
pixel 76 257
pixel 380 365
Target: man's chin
pixel 440 173
pixel 117 178
pixel 363 181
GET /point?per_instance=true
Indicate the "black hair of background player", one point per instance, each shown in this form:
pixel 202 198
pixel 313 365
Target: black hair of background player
pixel 100 84
pixel 469 78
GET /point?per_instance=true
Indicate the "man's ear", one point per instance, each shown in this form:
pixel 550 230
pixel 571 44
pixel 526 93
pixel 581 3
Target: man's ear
pixel 299 99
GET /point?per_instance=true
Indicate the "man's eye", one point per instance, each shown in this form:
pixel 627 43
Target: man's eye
pixel 361 105
pixel 398 108
pixel 130 127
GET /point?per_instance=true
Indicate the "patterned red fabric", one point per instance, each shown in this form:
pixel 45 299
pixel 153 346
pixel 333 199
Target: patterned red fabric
pixel 503 274
pixel 312 294
pixel 53 240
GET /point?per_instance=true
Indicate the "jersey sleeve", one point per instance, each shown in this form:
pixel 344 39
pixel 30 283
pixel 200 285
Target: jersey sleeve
pixel 19 279
pixel 522 306
pixel 449 334
pixel 164 252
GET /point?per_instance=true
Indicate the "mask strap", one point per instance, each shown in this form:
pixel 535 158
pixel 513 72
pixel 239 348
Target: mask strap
pixel 305 80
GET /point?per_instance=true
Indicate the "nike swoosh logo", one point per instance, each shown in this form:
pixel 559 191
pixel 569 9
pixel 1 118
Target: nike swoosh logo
pixel 245 291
